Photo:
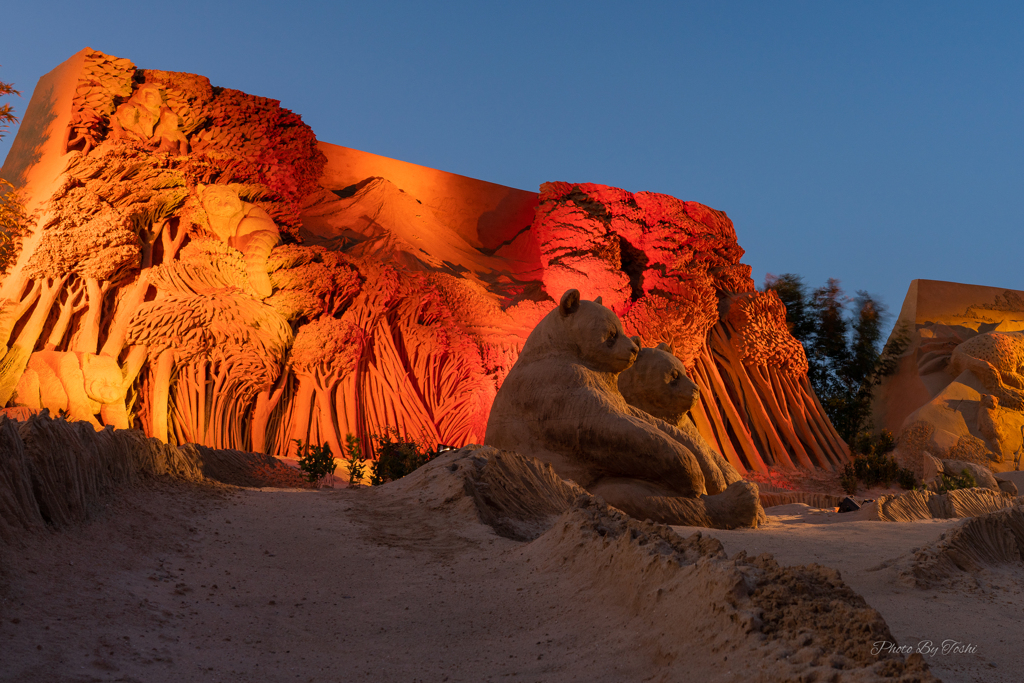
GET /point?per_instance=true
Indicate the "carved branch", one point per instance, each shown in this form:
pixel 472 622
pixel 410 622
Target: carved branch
pixel 89 332
pixel 171 244
pixel 74 302
pixel 12 312
pixel 16 359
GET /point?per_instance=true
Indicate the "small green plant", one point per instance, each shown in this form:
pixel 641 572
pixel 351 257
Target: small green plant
pixel 906 479
pixel 848 480
pixel 397 456
pixel 317 462
pixel 964 480
pixel 873 466
pixel 354 462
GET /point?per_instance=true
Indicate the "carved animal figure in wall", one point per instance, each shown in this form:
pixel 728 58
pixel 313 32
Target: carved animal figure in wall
pixel 560 404
pixel 147 117
pixel 83 385
pixel 247 228
pixel 996 359
pixel 990 424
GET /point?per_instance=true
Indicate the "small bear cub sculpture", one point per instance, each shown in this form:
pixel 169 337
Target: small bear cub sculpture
pixel 561 404
pixel 657 384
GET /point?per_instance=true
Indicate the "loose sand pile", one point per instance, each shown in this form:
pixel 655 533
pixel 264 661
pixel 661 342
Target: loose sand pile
pixel 967 551
pixel 980 605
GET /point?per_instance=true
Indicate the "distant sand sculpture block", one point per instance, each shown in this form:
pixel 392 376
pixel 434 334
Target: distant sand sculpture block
pixel 251 285
pixel 958 392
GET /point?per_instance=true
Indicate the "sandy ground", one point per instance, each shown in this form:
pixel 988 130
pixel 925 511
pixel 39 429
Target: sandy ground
pixel 984 610
pixel 175 582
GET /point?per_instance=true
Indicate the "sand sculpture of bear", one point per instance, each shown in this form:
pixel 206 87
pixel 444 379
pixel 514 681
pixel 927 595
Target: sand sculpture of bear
pixel 657 384
pixel 560 404
pixel 82 384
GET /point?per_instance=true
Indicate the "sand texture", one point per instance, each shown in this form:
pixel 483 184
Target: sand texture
pixel 933 580
pixel 480 566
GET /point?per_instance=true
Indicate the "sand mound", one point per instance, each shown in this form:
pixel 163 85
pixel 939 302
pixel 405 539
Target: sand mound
pixel 916 505
pixel 702 612
pixel 519 497
pixel 815 500
pixel 744 616
pixel 241 468
pixel 990 540
pixel 52 471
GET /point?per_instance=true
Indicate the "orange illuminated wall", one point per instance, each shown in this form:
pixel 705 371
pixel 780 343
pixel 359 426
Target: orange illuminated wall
pixel 484 214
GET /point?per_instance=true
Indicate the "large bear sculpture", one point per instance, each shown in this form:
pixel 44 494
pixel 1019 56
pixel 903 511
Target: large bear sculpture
pixel 561 404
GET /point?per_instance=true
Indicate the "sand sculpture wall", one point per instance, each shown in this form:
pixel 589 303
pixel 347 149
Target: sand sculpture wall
pixel 958 393
pixel 199 265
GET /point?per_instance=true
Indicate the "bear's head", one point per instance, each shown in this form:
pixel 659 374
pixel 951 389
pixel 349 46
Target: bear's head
pixel 658 385
pixel 584 331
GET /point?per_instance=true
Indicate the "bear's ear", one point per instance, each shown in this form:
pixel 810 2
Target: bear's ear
pixel 570 302
pixel 636 340
pixel 666 347
pixel 597 300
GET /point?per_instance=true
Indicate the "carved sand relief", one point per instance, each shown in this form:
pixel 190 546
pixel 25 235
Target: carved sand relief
pixel 958 394
pixel 193 272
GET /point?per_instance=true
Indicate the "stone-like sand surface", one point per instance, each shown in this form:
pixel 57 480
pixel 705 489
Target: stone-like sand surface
pixel 176 582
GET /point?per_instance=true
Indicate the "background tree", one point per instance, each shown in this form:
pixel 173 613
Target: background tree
pixel 11 214
pixel 7 116
pixel 843 341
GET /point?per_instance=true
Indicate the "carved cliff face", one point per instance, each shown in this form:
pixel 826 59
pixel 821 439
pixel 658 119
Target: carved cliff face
pixel 957 389
pixel 411 325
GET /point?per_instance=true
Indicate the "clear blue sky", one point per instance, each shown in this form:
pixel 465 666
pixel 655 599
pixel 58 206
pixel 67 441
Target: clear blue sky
pixel 874 142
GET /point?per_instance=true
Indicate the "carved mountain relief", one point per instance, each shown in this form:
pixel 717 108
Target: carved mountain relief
pixel 199 266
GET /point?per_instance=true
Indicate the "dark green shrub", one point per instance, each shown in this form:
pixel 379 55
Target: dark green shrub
pixel 873 466
pixel 317 462
pixel 848 480
pixel 354 462
pixel 397 456
pixel 965 480
pixel 906 479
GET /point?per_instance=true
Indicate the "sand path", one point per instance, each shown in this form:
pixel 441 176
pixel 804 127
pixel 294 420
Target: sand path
pixel 175 582
pixel 183 583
